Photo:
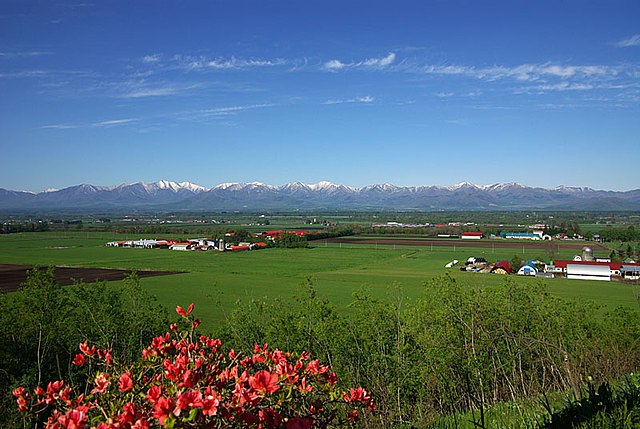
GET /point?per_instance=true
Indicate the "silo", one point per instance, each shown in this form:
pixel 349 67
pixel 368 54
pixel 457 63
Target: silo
pixel 587 254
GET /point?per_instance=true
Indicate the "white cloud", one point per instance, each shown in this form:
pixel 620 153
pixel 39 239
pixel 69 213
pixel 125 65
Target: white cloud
pixel 60 126
pixel 24 54
pixel 560 86
pixel 233 63
pixel 151 92
pixel 334 65
pixel 226 110
pixel 523 72
pixel 112 122
pixel 362 99
pixel 150 59
pixel 631 41
pixel 380 62
pixel 108 123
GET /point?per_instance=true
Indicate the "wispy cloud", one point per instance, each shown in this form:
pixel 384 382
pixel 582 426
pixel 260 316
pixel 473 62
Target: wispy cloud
pixel 523 72
pixel 60 126
pixel 24 54
pixel 202 63
pixel 561 86
pixel 334 65
pixel 113 122
pixel 364 99
pixel 372 63
pixel 151 92
pixel 232 110
pixel 150 59
pixel 218 113
pixel 24 74
pixel 100 124
pixel 380 62
pixel 630 41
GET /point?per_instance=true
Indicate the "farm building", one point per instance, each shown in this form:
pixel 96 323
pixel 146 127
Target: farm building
pixel 614 267
pixel 501 267
pixel 528 269
pixel 472 235
pixel 630 272
pixel 182 246
pixel 588 272
pixel 522 235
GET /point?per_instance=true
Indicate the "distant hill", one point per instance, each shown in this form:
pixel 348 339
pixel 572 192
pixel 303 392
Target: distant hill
pixel 167 195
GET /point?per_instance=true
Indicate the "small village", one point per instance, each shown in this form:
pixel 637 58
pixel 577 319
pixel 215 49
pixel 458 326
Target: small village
pixel 582 267
pixel 226 244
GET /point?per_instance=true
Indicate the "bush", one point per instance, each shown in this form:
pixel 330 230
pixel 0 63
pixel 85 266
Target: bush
pixel 184 380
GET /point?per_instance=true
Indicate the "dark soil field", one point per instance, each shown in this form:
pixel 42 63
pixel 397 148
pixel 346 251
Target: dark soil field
pixel 497 244
pixel 11 276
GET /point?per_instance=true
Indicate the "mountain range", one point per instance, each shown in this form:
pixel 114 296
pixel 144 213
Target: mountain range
pixel 171 196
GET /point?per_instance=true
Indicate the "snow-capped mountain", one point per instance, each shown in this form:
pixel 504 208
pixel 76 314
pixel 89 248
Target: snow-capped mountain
pixel 168 195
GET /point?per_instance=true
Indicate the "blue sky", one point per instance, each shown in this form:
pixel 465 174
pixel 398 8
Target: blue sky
pixel 543 93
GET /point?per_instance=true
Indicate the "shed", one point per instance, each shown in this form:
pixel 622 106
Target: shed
pixel 501 267
pixel 528 269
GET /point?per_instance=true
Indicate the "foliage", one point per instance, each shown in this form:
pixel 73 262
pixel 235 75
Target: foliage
pixel 290 241
pixel 14 227
pixel 457 349
pixel 43 322
pixel 186 381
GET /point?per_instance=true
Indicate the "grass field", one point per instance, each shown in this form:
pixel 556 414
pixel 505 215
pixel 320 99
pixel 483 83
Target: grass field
pixel 216 281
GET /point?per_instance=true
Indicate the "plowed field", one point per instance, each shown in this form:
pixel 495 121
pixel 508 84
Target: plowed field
pixel 11 276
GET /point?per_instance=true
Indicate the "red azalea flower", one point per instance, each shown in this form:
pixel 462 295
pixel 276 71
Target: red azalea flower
pixel 304 387
pixel 210 402
pixel 128 415
pixel 190 309
pixel 74 419
pixel 264 382
pixel 79 360
pixel 188 400
pixel 89 351
pixel 125 383
pixel 154 394
pixel 101 382
pixel 353 416
pixel 162 409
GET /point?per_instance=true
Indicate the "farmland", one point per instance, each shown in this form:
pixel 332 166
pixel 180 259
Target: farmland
pixel 217 281
pixel 374 311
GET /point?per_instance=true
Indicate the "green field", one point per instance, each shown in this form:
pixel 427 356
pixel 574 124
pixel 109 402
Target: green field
pixel 216 281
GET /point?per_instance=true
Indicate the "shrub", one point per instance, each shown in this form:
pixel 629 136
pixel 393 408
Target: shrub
pixel 188 381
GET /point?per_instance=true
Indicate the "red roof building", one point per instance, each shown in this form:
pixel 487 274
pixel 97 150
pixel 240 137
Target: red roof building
pixel 472 235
